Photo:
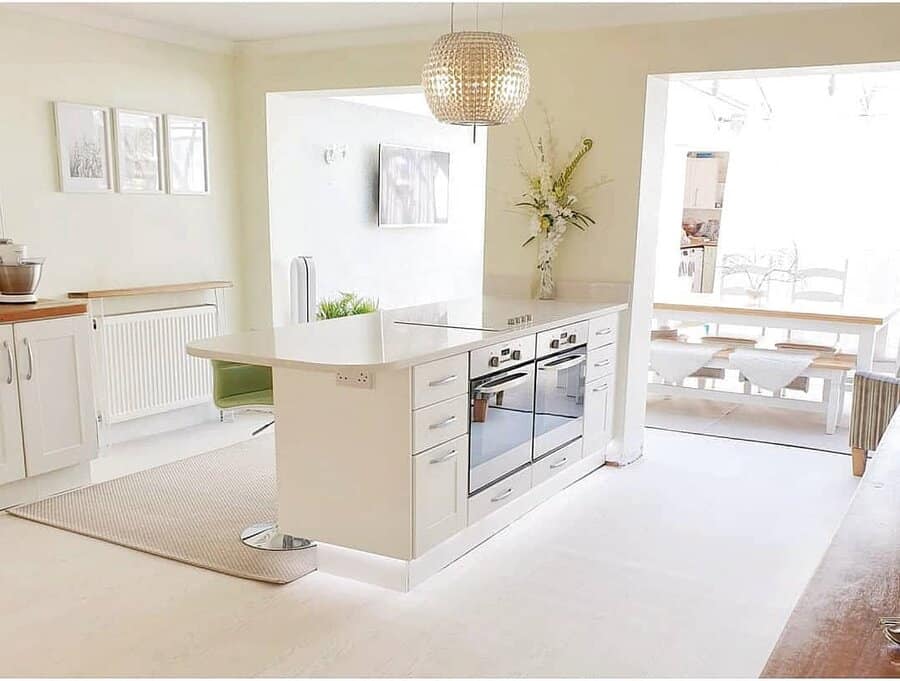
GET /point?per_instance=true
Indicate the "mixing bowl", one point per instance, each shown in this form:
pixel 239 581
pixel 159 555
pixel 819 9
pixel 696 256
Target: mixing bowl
pixel 21 279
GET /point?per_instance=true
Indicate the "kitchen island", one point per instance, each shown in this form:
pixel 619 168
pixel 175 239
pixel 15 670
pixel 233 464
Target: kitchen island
pixel 406 437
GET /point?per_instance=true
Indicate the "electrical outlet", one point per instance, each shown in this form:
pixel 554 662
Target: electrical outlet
pixel 360 378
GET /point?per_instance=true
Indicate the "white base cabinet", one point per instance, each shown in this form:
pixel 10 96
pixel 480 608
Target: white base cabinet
pixel 12 449
pixel 46 398
pixel 440 484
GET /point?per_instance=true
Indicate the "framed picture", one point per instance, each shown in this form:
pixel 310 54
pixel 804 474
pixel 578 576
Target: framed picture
pixel 187 145
pixel 139 158
pixel 83 138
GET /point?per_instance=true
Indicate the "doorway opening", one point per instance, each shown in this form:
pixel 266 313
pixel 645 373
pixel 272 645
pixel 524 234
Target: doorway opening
pixel 388 202
pixel 768 228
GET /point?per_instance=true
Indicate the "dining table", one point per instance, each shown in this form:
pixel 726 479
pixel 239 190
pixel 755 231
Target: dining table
pixel 869 322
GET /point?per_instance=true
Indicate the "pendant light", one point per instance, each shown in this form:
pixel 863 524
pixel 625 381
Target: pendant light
pixel 475 77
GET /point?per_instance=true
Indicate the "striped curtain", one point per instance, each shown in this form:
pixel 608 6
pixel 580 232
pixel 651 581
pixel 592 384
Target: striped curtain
pixel 875 398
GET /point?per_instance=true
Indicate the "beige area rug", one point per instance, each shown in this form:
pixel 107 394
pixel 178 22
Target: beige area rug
pixel 191 511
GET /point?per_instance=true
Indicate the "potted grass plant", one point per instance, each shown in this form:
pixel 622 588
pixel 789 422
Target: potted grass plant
pixel 345 305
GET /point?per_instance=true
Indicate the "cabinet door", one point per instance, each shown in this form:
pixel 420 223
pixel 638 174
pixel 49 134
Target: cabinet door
pixel 53 359
pixel 12 454
pixel 598 414
pixel 441 490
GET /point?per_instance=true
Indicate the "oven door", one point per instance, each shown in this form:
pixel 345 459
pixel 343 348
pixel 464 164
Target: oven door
pixel 501 424
pixel 559 400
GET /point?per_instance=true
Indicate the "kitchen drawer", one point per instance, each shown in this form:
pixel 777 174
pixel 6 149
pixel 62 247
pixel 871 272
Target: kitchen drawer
pixel 556 462
pixel 603 330
pixel 601 362
pixel 599 408
pixel 440 380
pixel 561 338
pixel 499 494
pixel 441 478
pixel 440 422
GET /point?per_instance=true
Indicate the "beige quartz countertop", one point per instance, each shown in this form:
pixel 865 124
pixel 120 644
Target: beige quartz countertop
pixel 377 341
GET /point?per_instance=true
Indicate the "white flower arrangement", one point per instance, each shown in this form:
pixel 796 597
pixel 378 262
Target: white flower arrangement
pixel 551 203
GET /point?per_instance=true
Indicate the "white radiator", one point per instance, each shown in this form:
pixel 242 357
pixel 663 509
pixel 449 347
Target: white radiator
pixel 148 370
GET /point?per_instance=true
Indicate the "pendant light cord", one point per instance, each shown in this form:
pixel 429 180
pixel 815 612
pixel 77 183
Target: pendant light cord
pixel 451 17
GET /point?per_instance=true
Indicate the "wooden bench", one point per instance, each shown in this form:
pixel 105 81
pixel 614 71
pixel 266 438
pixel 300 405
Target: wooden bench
pixel 833 630
pixel 832 368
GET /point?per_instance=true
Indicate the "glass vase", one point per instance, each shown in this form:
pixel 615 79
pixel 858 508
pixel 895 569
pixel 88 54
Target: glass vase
pixel 546 285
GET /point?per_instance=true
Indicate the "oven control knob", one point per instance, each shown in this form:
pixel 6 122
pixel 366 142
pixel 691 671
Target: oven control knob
pixel 516 354
pixel 554 343
pixel 494 361
pixel 572 338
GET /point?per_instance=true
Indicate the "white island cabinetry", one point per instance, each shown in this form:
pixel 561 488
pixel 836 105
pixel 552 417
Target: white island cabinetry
pixel 375 468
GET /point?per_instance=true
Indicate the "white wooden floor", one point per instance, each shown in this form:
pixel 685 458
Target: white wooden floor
pixel 686 563
pixel 753 422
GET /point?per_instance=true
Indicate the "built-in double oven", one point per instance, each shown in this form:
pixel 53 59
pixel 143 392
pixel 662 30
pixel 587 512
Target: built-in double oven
pixel 526 400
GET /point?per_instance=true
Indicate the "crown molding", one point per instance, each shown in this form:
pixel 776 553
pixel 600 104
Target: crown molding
pixel 104 21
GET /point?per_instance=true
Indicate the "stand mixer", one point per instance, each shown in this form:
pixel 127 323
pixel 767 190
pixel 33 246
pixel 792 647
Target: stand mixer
pixel 19 274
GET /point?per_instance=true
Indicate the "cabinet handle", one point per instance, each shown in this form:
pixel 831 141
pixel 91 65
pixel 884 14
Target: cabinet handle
pixel 503 495
pixel 561 462
pixel 603 332
pixel 30 371
pixel 441 424
pixel 441 459
pixel 604 363
pixel 443 381
pixel 9 362
pixel 602 388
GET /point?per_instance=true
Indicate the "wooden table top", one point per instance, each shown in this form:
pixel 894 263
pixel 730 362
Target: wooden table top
pixel 43 309
pixel 866 314
pixel 833 630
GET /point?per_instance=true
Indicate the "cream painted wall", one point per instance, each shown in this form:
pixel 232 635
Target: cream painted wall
pixel 592 82
pixel 112 240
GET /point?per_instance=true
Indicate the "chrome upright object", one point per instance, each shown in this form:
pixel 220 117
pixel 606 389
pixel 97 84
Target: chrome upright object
pixel 266 537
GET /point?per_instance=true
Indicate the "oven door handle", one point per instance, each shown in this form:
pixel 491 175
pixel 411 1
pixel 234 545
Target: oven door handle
pixel 564 363
pixel 496 386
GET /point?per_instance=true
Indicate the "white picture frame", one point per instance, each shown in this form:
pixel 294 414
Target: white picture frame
pixel 84 147
pixel 139 151
pixel 187 154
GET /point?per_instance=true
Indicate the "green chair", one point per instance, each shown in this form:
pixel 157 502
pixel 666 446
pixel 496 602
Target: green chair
pixel 238 385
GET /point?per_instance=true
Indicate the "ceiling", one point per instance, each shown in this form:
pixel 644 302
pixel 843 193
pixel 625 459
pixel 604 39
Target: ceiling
pixel 237 22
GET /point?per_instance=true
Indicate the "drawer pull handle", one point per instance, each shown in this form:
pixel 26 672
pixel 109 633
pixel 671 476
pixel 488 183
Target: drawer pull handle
pixel 9 361
pixel 30 372
pixel 604 363
pixel 601 389
pixel 442 424
pixel 561 462
pixel 604 332
pixel 502 495
pixel 442 381
pixel 441 459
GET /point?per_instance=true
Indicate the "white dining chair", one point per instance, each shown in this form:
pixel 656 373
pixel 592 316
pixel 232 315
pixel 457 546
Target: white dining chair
pixel 823 285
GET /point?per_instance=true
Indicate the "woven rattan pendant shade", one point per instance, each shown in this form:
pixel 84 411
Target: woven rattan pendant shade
pixel 475 78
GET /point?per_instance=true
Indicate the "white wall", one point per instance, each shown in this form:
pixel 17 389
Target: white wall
pixel 112 240
pixel 330 212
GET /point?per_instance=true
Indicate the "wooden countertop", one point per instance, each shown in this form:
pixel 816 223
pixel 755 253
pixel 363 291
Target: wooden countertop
pixel 833 631
pixel 150 290
pixel 43 309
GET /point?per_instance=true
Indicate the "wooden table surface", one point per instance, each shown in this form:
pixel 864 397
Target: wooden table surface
pixel 182 287
pixel 833 630
pixel 869 314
